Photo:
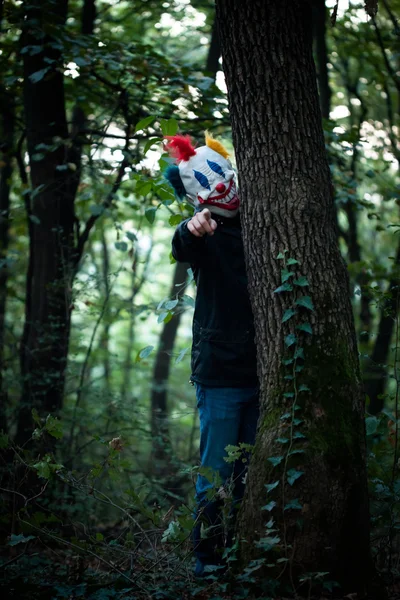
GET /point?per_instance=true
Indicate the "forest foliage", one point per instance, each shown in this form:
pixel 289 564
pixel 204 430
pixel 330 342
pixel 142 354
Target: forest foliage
pixel 97 494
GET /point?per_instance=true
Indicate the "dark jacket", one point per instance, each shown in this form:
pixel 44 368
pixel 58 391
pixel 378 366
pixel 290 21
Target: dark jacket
pixel 223 349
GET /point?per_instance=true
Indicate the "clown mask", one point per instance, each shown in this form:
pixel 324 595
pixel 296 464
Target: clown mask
pixel 204 175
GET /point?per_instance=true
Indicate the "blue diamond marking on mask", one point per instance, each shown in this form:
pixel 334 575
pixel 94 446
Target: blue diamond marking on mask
pixel 216 167
pixel 202 179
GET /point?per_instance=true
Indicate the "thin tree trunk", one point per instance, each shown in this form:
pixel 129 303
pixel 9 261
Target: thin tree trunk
pixel 319 17
pixel 7 124
pixel 45 340
pixel 287 206
pixel 161 449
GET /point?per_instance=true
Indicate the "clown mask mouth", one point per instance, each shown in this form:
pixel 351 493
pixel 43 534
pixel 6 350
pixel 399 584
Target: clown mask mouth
pixel 228 199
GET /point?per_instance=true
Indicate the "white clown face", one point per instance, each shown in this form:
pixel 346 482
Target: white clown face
pixel 209 181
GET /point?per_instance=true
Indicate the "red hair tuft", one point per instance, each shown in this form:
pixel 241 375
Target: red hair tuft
pixel 180 147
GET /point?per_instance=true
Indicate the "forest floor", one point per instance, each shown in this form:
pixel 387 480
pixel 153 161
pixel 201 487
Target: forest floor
pixel 53 574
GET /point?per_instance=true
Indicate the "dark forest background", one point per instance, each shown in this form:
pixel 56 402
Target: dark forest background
pixel 99 439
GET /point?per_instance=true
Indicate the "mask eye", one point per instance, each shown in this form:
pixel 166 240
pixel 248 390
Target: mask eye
pixel 202 179
pixel 216 168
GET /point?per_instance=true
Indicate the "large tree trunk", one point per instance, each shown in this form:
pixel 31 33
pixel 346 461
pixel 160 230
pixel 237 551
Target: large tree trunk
pixel 287 205
pixel 45 339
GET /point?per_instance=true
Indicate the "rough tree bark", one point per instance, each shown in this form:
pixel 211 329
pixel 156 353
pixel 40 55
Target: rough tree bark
pixel 287 204
pixel 46 334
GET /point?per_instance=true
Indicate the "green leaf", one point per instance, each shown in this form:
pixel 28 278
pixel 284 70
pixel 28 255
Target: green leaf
pixel 181 355
pixel 175 219
pixel 53 426
pixel 293 475
pixel 150 213
pixel 271 486
pixel 301 281
pixel 171 304
pixel 290 340
pixel 35 417
pixel 286 287
pixel 275 460
pixel 43 469
pixel 293 505
pixel 188 300
pixel 306 302
pixel 144 123
pixel 162 316
pixel 292 261
pixel 96 209
pixel 143 187
pixel 122 246
pixel 269 506
pixel 131 236
pixel 38 75
pixel 34 219
pixel 288 361
pixel 296 451
pixel 298 435
pixel 288 395
pixel 145 352
pixel 286 416
pixel 19 539
pixel 285 275
pixel 299 353
pixel 304 388
pixel 289 313
pixel 371 424
pixel 297 421
pixel 150 142
pixel 169 126
pixel 282 440
pixel 3 440
pixel 281 256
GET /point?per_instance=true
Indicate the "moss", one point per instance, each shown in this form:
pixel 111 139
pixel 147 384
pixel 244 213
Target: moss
pixel 335 426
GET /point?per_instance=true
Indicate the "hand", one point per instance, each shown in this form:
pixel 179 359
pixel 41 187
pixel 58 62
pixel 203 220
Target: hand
pixel 202 223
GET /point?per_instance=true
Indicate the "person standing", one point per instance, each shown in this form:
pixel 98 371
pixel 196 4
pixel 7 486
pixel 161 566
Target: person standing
pixel 223 360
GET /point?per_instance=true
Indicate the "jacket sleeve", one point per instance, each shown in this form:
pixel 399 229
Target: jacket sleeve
pixel 186 247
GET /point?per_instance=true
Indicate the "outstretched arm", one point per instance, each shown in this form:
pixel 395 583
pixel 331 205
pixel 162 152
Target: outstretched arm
pixel 190 235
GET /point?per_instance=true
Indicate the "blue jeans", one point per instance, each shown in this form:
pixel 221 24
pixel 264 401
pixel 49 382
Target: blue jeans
pixel 228 416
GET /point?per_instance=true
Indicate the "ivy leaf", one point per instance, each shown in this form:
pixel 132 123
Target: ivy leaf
pixel 292 261
pixel 293 475
pixel 293 505
pixel 275 460
pixel 288 395
pixel 298 435
pixel 271 486
pixel 290 340
pixel 301 281
pixel 269 506
pixel 306 302
pixel 297 451
pixel 304 388
pixel 299 353
pixel 286 287
pixel 289 313
pixel 280 256
pixel 282 440
pixel 96 209
pixel 285 275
